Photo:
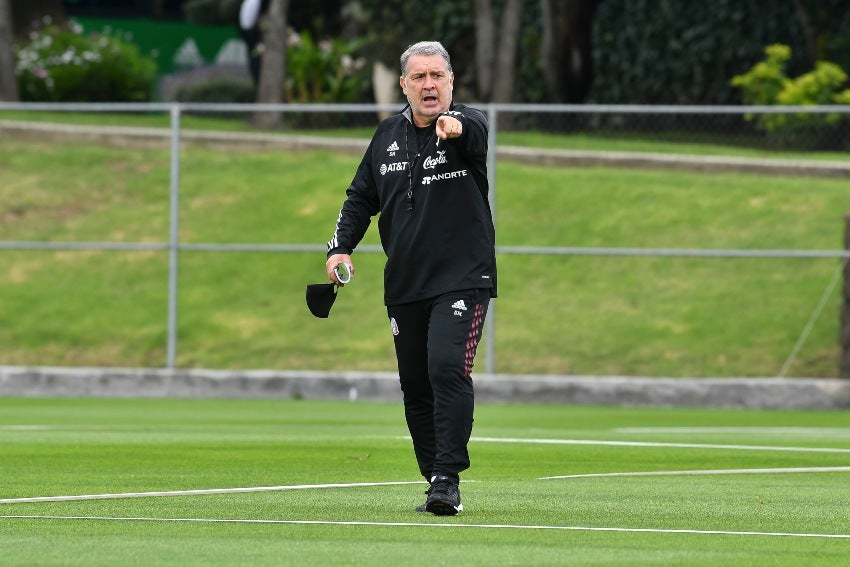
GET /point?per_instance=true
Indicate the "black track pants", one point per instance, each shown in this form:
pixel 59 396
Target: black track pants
pixel 435 343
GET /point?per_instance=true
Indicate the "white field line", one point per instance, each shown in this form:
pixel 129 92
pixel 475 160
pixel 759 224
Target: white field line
pixel 198 492
pixel 429 525
pixel 705 472
pixel 837 432
pixel 655 444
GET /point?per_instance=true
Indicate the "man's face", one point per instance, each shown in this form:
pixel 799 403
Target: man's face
pixel 428 87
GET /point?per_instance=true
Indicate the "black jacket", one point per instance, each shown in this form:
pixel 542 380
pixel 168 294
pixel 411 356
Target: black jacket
pixel 435 222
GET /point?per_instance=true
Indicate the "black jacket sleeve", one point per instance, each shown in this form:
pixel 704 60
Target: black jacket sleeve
pixel 473 140
pixel 473 143
pixel 358 209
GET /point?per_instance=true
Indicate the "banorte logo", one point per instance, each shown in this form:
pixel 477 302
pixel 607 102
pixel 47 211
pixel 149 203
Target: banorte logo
pixel 441 176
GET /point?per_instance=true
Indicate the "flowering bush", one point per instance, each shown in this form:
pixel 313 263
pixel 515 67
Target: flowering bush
pixel 59 64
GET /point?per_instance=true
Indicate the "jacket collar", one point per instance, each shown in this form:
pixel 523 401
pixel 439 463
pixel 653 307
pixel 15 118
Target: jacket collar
pixel 408 112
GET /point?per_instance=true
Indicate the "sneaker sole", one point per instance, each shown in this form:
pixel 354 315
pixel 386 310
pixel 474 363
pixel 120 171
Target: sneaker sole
pixel 439 508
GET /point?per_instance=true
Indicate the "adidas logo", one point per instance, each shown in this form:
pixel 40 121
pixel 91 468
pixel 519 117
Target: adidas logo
pixel 459 304
pixel 393 147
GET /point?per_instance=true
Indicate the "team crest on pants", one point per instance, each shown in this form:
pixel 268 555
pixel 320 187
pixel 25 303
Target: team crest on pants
pixel 393 326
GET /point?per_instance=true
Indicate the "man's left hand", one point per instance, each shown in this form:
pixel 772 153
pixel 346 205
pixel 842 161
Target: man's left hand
pixel 448 127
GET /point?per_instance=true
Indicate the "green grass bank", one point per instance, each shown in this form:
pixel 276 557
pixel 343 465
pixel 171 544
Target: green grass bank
pixel 648 316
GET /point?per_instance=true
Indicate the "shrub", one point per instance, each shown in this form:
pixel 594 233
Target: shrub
pixel 59 64
pixel 219 90
pixel 766 79
pixel 766 83
pixel 326 71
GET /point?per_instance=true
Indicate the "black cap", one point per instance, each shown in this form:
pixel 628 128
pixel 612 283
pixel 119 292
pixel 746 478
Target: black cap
pixel 320 299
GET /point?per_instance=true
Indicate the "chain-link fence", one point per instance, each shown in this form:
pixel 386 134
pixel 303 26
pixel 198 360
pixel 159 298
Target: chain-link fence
pixel 686 241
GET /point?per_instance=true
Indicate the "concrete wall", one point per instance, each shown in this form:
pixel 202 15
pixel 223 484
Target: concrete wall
pixel 790 393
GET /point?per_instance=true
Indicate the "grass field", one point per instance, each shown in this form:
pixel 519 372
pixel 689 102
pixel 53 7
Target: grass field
pixel 334 483
pixel 555 315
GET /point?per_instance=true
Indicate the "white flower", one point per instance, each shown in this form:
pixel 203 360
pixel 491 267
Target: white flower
pixel 346 62
pixel 68 56
pixel 292 38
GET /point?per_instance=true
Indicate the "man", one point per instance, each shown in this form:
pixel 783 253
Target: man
pixel 425 172
pixel 249 28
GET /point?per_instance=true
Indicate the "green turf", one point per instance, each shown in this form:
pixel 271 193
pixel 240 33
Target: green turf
pixel 95 446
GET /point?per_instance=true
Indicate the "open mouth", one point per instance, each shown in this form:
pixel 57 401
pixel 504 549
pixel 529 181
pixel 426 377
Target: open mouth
pixel 429 99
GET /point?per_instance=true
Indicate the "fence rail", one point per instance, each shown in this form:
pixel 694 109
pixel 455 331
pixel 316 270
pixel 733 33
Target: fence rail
pixel 174 246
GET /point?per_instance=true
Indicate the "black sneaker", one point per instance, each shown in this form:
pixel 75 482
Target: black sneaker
pixel 443 497
pixel 423 507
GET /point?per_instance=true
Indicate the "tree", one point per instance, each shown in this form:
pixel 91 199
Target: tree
pixel 391 26
pixel 273 23
pixel 824 27
pixel 8 82
pixel 273 67
pixel 28 12
pixel 566 54
pixel 212 11
pixel 495 49
pixel 16 18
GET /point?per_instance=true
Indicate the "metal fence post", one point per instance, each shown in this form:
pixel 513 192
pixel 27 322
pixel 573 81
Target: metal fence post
pixel 844 314
pixel 173 237
pixel 490 322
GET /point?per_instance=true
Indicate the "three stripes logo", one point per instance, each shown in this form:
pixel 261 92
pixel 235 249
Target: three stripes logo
pixel 459 307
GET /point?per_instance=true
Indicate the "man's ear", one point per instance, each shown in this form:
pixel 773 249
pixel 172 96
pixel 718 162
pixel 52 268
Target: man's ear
pixel 403 85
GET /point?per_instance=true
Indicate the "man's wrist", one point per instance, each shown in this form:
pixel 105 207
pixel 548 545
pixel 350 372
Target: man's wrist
pixel 339 250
